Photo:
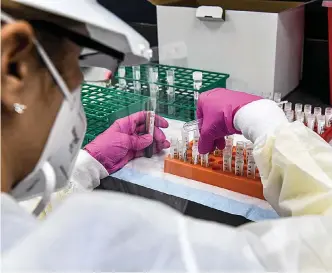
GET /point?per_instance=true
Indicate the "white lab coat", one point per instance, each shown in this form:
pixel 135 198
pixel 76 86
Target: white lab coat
pixel 115 232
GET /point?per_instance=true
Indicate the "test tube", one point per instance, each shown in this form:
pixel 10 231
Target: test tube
pixel 307 111
pixel 277 97
pixel 328 116
pixel 249 150
pixel 122 75
pixel 288 107
pixel 239 148
pixel 300 116
pixel 290 115
pixel 196 137
pixel 170 91
pixel 298 107
pixel 137 77
pixel 180 150
pixel 150 118
pixel 239 163
pixel 173 148
pixel 195 155
pixel 198 78
pixel 205 160
pixel 311 121
pixel 185 140
pixel 227 160
pixel 251 167
pixel 320 124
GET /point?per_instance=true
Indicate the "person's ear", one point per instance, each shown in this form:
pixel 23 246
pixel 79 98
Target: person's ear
pixel 16 47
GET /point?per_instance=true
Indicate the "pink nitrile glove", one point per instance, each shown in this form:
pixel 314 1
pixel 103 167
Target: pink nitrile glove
pixel 126 140
pixel 215 111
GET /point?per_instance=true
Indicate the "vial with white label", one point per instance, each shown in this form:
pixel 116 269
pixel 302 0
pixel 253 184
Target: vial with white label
pixel 249 150
pixel 311 121
pixel 198 81
pixel 277 97
pixel 180 150
pixel 307 110
pixel 251 167
pixel 195 155
pixel 320 124
pixel 137 77
pixel 317 112
pixel 288 106
pixel 290 115
pixel 239 148
pixel 298 107
pixel 227 160
pixel 239 163
pixel 328 116
pixel 122 80
pixel 299 116
pixel 205 160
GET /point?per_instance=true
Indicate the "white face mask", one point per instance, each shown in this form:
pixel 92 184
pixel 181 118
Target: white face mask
pixel 55 165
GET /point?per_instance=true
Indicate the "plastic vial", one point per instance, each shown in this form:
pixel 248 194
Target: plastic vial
pixel 251 167
pixel 173 148
pixel 195 155
pixel 328 116
pixel 180 148
pixel 185 142
pixel 317 112
pixel 196 138
pixel 299 116
pixel 288 106
pixel 277 97
pixel 227 161
pixel 239 163
pixel 122 75
pixel 205 160
pixel 249 150
pixel 298 107
pixel 307 111
pixel 290 115
pixel 239 148
pixel 198 79
pixel 170 75
pixel 311 121
pixel 229 142
pixel 320 124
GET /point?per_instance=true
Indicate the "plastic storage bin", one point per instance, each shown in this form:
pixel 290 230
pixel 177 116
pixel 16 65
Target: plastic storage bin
pixel 182 107
pixel 103 106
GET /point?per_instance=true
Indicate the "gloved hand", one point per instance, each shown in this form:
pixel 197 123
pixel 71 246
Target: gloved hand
pixel 215 110
pixel 126 140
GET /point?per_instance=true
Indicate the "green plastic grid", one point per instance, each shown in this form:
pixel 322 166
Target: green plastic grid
pixel 183 107
pixel 103 106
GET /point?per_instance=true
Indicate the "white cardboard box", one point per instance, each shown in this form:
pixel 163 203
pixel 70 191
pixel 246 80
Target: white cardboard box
pixel 259 43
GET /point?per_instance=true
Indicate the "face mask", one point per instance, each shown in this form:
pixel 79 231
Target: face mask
pixel 55 165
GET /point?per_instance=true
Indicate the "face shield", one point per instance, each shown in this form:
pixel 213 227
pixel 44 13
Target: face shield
pixel 106 42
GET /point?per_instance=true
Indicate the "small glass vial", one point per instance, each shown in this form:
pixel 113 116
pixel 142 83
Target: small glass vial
pixel 205 160
pixel 180 150
pixel 277 97
pixel 298 107
pixel 290 115
pixel 122 75
pixel 317 112
pixel 249 150
pixel 320 124
pixel 328 117
pixel 239 148
pixel 239 163
pixel 307 110
pixel 251 167
pixel 227 161
pixel 195 155
pixel 311 121
pixel 288 107
pixel 198 81
pixel 299 116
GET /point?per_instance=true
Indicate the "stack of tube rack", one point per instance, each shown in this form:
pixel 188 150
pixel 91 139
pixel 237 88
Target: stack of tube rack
pixel 233 168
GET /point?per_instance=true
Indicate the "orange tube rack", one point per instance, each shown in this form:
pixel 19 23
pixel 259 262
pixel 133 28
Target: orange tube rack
pixel 214 175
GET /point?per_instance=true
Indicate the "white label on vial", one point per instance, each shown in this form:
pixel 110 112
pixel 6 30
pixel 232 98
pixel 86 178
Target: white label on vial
pixel 251 168
pixel 239 151
pixel 227 164
pixel 239 167
pixel 249 152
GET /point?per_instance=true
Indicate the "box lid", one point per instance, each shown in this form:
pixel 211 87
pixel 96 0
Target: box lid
pixel 270 6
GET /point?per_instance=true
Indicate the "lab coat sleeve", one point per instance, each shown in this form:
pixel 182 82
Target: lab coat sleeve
pixel 295 163
pixel 87 172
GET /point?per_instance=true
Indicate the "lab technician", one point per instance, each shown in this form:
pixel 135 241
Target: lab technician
pixel 42 127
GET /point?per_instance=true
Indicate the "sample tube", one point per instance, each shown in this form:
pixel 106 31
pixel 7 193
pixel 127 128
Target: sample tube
pixel 298 107
pixel 249 150
pixel 317 112
pixel 328 116
pixel 170 75
pixel 205 160
pixel 180 150
pixel 239 163
pixel 239 148
pixel 277 97
pixel 137 78
pixel 185 142
pixel 170 91
pixel 290 115
pixel 299 116
pixel 307 111
pixel 173 148
pixel 195 155
pixel 227 160
pixel 311 121
pixel 122 75
pixel 150 117
pixel 196 137
pixel 198 78
pixel 251 167
pixel 320 124
pixel 288 106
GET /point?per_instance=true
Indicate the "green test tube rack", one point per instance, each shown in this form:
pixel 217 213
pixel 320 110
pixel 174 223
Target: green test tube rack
pixel 103 106
pixel 182 107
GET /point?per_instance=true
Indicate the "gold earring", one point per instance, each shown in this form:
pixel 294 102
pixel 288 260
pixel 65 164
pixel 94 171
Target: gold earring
pixel 19 108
